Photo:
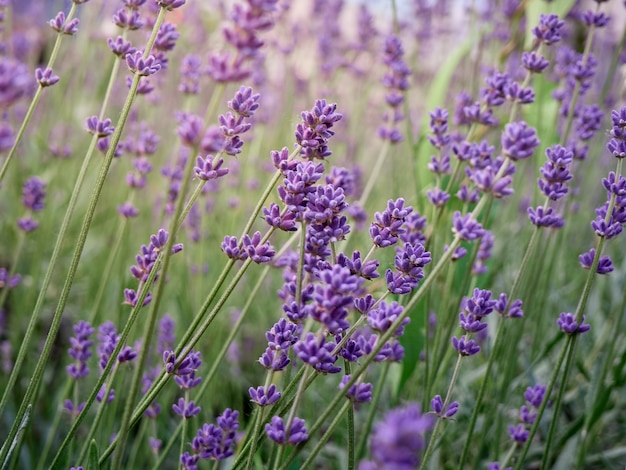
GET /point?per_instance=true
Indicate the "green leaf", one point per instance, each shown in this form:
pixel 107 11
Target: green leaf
pixel 535 8
pixel 413 343
pixel 16 440
pixel 93 456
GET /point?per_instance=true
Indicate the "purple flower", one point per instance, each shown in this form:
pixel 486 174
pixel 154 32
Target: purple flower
pixel 127 210
pixel 259 253
pixel 315 130
pixel 170 5
pixel 316 352
pixel 396 81
pixel 80 350
pixel 283 335
pixel 437 406
pixel 465 346
pixel 519 141
pixel 33 193
pixel 389 223
pixel 184 409
pixel 549 29
pixel 518 433
pixel 510 311
pixel 367 270
pixel 59 24
pixel 545 217
pixel 276 218
pixel 382 317
pixel 535 395
pixel 245 102
pixel 205 168
pixel 263 397
pixel 8 281
pixel 166 37
pixel 597 19
pixel 45 77
pixel 131 298
pixel 617 144
pixel 496 92
pixel 398 439
pixel 555 172
pixel 605 265
pixel 466 227
pixel 533 62
pixel 130 20
pixel 437 197
pixel 99 128
pixel 217 442
pixel 188 461
pixel 296 434
pixel 140 66
pixel 274 360
pixel 357 393
pixel 120 47
pixel 568 324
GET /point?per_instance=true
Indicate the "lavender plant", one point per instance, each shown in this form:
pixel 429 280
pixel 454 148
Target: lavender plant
pixel 355 253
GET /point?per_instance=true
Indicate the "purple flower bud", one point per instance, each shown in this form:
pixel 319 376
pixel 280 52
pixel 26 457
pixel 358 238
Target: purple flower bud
pixel 170 5
pixel 120 47
pixel 605 265
pixel 568 324
pixel 45 77
pixel 206 170
pixel 140 66
pixel 33 193
pixel 466 227
pixel 263 397
pixel 464 346
pixel 549 29
pixel 519 141
pixel 296 434
pixel 518 433
pixel 184 409
pixel 357 393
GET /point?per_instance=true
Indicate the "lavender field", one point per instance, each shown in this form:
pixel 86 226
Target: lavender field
pixel 317 234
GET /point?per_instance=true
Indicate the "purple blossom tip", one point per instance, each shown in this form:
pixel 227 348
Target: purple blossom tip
pixel 296 434
pixel 45 77
pixel 568 324
pixel 140 66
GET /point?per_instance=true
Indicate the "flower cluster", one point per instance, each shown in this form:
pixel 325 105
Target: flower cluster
pixel 396 81
pixel 33 194
pixel 313 133
pixel 146 260
pixel 527 414
pixel 475 309
pixel 213 442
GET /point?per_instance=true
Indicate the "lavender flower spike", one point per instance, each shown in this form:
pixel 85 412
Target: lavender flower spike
pixel 466 227
pixel 568 324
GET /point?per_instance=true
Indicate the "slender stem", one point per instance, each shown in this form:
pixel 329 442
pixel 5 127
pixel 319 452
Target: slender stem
pixel 350 423
pixel 52 432
pixel 322 441
pixel 375 174
pixel 378 391
pixel 557 405
pixel 36 97
pixel 435 435
pixel 80 242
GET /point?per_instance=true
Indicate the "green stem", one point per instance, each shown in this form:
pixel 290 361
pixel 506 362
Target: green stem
pixel 80 243
pixel 350 423
pixel 52 432
pixel 322 441
pixel 380 385
pixel 378 165
pixel 36 97
pixel 559 400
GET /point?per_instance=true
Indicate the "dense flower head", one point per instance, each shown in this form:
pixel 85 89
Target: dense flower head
pixel 367 270
pixel 519 140
pixel 598 19
pixel 217 442
pixel 605 264
pixel 45 77
pixel 439 128
pixel 316 352
pixel 533 62
pixel 283 335
pixel 274 360
pixel 384 315
pixel 556 172
pixel 130 20
pixel 588 122
pixel 264 397
pixel 545 217
pixel 357 393
pixel 313 133
pixel 485 181
pixel 166 37
pixel 185 409
pixel 245 102
pixel 208 169
pixel 60 25
pixel 80 349
pixel 296 434
pixel 568 324
pixel 398 439
pixel 276 218
pixel 389 223
pixel 466 227
pixel 549 29
pixel 437 407
pixel 325 203
pixel 99 128
pixel 465 346
pixel 33 194
pixel 140 66
pixel 617 143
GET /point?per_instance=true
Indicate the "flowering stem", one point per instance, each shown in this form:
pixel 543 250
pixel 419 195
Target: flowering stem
pixel 52 432
pixel 322 441
pixel 183 432
pixel 350 425
pixel 134 314
pixel 36 97
pixel 435 435
pixel 367 427
pixel 382 156
pixel 29 395
pixel 559 400
pixel 94 424
pixel 577 87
